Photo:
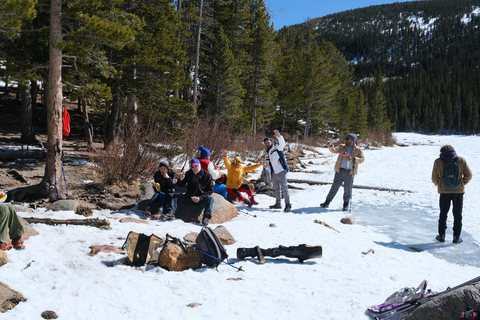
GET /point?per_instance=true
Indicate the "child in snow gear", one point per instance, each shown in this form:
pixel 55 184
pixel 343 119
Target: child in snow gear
pixel 199 189
pixel 349 157
pixel 450 171
pixel 10 226
pixel 276 163
pixel 235 183
pixel 208 166
pixel 164 187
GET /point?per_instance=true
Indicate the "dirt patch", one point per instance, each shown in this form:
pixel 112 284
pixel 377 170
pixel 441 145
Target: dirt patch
pixel 79 173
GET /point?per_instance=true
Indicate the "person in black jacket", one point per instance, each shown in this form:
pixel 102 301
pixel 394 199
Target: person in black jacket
pixel 199 189
pixel 164 186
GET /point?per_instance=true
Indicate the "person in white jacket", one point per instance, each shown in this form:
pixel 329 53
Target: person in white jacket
pixel 276 163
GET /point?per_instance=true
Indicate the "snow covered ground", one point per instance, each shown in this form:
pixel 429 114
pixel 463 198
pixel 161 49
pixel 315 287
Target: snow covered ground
pixel 55 272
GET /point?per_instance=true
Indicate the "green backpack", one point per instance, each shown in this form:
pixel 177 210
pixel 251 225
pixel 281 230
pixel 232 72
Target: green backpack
pixel 450 178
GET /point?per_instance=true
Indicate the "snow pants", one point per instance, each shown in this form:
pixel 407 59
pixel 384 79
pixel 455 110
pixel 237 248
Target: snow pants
pixel 457 200
pixel 347 179
pixel 10 224
pixel 279 182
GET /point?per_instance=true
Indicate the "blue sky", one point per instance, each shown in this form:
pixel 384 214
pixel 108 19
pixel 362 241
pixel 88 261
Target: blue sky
pixel 289 12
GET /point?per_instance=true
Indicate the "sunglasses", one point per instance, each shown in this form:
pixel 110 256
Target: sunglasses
pixel 347 138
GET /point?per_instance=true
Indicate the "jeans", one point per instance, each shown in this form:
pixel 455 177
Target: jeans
pixel 165 200
pixel 279 181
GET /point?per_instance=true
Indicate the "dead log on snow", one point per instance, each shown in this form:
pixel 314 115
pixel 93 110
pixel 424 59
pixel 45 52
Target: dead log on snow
pixel 301 252
pixel 96 222
pixel 356 186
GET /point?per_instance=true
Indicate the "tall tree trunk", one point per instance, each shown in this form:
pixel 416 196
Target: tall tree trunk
pixel 28 134
pixel 53 178
pixel 255 101
pixel 197 61
pixel 132 120
pixel 87 126
pixel 112 130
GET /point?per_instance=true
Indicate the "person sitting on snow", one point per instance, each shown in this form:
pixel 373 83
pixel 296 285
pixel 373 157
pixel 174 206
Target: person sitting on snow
pixel 235 183
pixel 164 186
pixel 199 190
pixel 208 166
pixel 10 225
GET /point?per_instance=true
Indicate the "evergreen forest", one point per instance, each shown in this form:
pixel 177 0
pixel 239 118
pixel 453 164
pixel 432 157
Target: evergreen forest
pixel 428 54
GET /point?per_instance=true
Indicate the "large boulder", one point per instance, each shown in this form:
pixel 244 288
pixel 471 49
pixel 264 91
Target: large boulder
pixel 223 211
pixel 63 205
pixel 9 298
pixel 450 305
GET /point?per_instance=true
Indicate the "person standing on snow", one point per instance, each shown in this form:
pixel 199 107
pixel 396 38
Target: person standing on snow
pixel 10 226
pixel 450 191
pixel 276 163
pixel 346 167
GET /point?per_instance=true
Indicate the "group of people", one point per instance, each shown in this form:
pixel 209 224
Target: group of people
pixel 204 178
pixel 450 184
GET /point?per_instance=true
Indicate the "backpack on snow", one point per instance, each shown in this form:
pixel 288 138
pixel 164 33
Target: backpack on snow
pixel 450 178
pixel 470 314
pixel 140 247
pixel 212 251
pixel 66 122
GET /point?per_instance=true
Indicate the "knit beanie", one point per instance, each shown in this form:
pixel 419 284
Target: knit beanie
pixel 267 138
pixel 194 161
pixel 164 163
pixel 352 136
pixel 204 152
pixel 237 159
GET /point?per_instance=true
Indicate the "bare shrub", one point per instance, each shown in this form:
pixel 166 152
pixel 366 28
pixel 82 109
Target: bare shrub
pixel 378 138
pixel 134 158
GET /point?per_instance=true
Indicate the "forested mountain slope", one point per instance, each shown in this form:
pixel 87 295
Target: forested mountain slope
pixel 428 50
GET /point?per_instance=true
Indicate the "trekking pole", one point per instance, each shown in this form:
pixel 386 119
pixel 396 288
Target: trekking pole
pixel 249 214
pixel 351 187
pixel 176 240
pixel 65 179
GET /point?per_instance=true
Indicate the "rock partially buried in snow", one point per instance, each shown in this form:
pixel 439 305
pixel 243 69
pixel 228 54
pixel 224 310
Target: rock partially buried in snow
pixel 3 258
pixel 224 235
pixel 9 298
pixel 63 205
pixel 347 220
pixel 173 258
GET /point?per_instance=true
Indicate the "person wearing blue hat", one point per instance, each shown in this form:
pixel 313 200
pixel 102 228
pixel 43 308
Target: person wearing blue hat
pixel 199 189
pixel 276 163
pixel 350 155
pixel 208 166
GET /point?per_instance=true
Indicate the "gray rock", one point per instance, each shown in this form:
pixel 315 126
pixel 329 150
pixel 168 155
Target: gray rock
pixel 9 298
pixel 63 205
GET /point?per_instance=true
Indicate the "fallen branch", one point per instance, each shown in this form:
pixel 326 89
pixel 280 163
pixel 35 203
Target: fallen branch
pixel 301 252
pixel 310 182
pixel 326 225
pixel 96 222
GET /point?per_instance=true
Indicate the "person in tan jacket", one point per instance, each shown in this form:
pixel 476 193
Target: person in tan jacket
pixel 450 190
pixel 346 167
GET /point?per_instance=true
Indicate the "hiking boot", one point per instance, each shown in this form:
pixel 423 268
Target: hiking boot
pixel 345 206
pixel 325 204
pixel 18 243
pixel 276 206
pixel 457 239
pixel 147 212
pixel 194 219
pixel 205 222
pixel 247 202
pixel 157 216
pixel 288 207
pixel 440 238
pixel 252 200
pixel 5 246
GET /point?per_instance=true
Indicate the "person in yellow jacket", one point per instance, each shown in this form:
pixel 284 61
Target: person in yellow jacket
pixel 235 185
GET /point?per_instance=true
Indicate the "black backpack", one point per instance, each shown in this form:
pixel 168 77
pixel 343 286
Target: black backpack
pixel 470 314
pixel 212 251
pixel 450 178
